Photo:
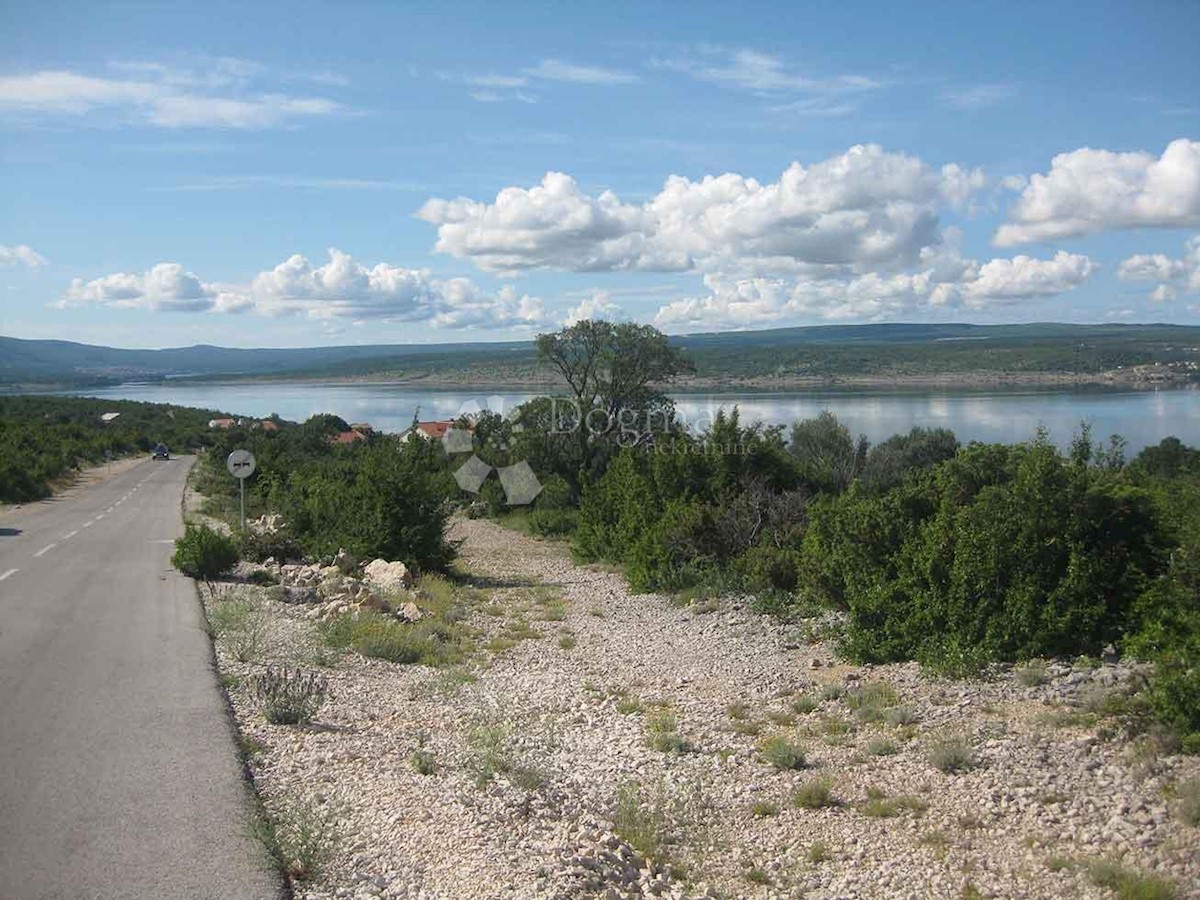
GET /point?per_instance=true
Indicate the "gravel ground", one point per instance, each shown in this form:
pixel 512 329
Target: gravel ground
pixel 626 735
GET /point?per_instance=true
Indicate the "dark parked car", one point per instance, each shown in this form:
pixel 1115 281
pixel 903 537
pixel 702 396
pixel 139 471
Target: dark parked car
pixel 160 452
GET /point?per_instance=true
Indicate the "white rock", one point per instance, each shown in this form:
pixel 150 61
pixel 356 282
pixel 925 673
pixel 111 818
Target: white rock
pixel 388 576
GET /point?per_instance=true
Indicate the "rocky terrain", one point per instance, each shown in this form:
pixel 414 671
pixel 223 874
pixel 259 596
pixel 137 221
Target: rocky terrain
pixel 583 741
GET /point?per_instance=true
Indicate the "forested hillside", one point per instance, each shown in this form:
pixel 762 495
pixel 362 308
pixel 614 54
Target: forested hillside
pixel 797 353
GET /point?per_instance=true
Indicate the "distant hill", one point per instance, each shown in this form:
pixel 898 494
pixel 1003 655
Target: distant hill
pixel 770 357
pixel 29 361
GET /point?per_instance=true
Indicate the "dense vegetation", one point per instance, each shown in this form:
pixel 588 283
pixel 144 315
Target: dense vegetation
pixel 45 438
pixel 955 556
pixel 373 498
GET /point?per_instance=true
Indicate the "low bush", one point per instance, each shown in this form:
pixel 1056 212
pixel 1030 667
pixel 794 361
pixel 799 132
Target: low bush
pixel 204 553
pixel 488 753
pixel 553 522
pixel 1033 673
pixel 951 754
pixel 289 696
pixel 879 805
pixel 662 731
pixel 782 753
pixel 640 821
pixel 1129 885
pixel 429 642
pixel 421 758
pixel 279 545
pixel 1187 802
pixel 882 747
pixel 299 837
pixel 805 704
pixel 815 794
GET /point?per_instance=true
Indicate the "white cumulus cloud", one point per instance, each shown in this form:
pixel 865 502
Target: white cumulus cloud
pixel 1090 191
pixel 1023 277
pixel 166 287
pixel 945 279
pixel 853 213
pixel 1173 274
pixel 21 254
pixel 596 305
pixel 341 288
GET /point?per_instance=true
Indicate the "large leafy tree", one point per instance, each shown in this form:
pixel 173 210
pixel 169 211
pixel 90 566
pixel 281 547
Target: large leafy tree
pixel 614 373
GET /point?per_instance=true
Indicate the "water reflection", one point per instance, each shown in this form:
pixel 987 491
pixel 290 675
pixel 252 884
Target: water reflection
pixel 1142 417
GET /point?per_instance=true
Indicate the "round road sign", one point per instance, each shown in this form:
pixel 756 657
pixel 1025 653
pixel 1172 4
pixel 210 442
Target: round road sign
pixel 240 464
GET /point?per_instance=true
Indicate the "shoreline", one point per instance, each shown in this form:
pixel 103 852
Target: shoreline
pixel 1140 378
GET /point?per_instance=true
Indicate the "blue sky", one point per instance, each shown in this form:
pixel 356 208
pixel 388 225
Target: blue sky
pixel 297 174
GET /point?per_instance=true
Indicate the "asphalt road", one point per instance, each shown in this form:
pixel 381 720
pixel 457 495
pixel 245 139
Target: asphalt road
pixel 118 772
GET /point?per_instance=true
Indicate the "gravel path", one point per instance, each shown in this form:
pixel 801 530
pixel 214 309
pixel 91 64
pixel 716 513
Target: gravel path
pixel 626 736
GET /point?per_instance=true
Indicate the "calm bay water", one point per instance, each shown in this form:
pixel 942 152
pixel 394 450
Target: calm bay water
pixel 1142 417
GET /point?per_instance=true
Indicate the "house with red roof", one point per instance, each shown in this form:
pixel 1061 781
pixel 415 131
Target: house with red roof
pixel 431 431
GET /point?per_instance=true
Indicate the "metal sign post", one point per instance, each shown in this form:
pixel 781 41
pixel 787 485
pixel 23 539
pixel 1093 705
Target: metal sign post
pixel 241 466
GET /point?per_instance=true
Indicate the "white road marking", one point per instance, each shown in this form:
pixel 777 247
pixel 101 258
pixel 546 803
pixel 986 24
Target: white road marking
pixel 9 572
pixel 69 535
pixel 46 549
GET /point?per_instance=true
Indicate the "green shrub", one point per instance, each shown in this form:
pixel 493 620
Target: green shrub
pixel 1187 802
pixel 951 754
pixel 338 632
pixel 204 553
pixel 553 522
pixel 879 805
pixel 279 545
pixel 299 837
pixel 1033 673
pixel 874 694
pixel 421 759
pixel 1001 553
pixel 890 462
pixel 766 569
pixel 882 747
pixel 815 794
pixel 430 642
pixel 262 578
pixel 1170 632
pixel 782 753
pixel 639 821
pixel 805 704
pixel 489 756
pixel 376 499
pixel 662 732
pixel 1128 885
